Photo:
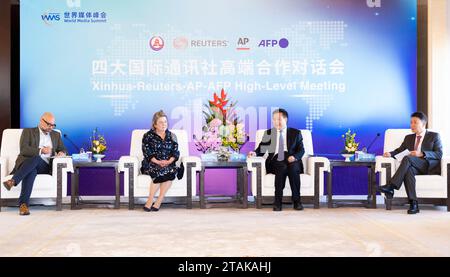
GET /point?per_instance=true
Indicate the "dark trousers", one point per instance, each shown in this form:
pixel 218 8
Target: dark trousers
pixel 282 170
pixel 27 173
pixel 409 168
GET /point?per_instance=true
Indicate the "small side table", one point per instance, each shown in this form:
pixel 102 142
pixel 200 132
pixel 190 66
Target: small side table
pixel 242 182
pixel 371 201
pixel 75 203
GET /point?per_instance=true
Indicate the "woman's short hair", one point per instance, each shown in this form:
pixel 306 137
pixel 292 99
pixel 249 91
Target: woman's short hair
pixel 157 116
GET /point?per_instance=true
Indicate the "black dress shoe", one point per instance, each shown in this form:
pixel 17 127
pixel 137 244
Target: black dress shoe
pixel 298 205
pixel 413 207
pixel 277 208
pixel 388 191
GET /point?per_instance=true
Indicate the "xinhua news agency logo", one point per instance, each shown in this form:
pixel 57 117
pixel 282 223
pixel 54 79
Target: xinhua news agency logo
pixel 49 17
pixel 270 43
pixel 156 43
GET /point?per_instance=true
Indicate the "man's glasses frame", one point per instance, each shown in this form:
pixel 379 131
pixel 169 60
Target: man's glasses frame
pixel 49 124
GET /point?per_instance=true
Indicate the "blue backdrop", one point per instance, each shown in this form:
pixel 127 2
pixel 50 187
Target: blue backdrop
pixel 333 64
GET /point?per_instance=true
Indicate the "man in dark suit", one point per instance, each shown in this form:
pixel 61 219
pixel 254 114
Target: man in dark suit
pixel 37 146
pixel 424 159
pixel 285 151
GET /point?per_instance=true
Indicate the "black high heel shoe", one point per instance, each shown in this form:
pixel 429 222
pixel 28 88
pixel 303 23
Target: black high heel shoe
pixel 155 209
pixel 148 209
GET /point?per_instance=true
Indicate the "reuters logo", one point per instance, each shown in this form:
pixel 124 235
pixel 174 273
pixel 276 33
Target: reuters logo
pixel 156 43
pixel 180 43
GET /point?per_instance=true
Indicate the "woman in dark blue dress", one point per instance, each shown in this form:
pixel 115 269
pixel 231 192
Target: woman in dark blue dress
pixel 160 149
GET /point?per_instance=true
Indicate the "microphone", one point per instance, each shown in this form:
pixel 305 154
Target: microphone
pixel 71 142
pixel 370 145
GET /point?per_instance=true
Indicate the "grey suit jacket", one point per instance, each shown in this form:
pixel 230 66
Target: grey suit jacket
pixel 431 148
pixel 29 145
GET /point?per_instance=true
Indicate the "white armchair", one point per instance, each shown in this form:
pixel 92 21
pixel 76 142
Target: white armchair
pixel 312 180
pixel 137 184
pixel 431 189
pixel 45 185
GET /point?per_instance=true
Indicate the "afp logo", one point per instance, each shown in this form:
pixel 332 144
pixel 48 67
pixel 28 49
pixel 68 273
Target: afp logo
pixel 50 17
pixel 374 3
pixel 266 43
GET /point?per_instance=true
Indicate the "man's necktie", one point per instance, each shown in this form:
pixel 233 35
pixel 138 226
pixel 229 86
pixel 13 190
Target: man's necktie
pixel 417 143
pixel 280 147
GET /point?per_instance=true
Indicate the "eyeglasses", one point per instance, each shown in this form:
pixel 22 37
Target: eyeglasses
pixel 49 124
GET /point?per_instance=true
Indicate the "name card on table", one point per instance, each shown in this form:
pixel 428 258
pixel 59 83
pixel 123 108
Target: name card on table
pixel 82 157
pixel 361 156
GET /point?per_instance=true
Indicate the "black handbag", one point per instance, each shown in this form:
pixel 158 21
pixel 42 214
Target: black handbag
pixel 180 172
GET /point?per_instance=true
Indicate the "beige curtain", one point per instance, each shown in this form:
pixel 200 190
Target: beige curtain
pixel 439 68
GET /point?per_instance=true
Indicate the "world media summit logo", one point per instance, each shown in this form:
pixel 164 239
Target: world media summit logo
pixel 156 43
pixel 80 17
pixel 49 17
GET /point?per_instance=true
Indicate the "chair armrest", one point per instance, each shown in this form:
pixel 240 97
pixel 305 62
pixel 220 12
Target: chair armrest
pixel 192 164
pixel 66 166
pixel 62 160
pixel 3 163
pixel 444 162
pixel 312 172
pixel 192 159
pixel 380 167
pixel 313 160
pixel 253 165
pixel 129 180
pixel 380 161
pixel 257 160
pixel 128 159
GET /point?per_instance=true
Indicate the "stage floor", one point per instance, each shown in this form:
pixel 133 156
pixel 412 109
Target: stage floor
pixel 175 231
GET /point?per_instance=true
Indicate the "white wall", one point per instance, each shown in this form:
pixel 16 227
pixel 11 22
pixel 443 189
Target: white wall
pixel 439 68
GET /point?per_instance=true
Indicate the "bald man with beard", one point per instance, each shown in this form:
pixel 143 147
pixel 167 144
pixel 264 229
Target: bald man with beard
pixel 37 145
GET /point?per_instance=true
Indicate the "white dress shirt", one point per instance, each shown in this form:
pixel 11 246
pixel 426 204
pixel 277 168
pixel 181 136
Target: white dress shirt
pixel 284 130
pixel 44 141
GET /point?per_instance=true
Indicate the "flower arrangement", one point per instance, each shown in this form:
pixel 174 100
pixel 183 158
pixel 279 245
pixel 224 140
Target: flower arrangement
pixel 210 141
pixel 223 127
pixel 223 154
pixel 98 142
pixel 350 146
